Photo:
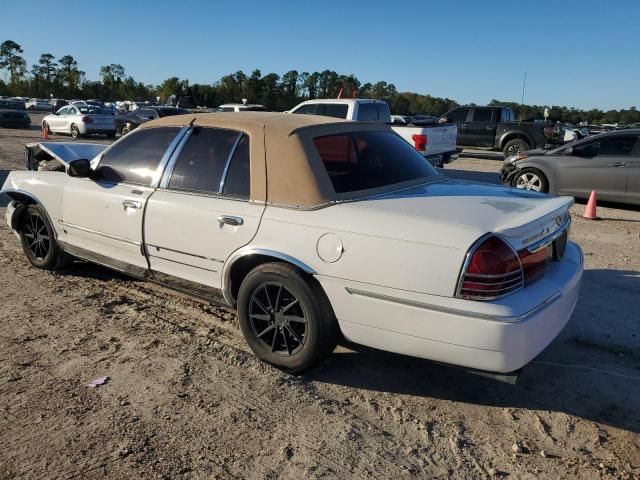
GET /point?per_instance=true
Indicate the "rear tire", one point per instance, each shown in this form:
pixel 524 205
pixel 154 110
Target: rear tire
pixel 125 130
pixel 531 179
pixel 38 240
pixel 286 319
pixel 75 131
pixel 513 147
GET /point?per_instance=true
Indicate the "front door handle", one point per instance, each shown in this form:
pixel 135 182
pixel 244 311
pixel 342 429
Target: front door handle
pixel 229 220
pixel 131 204
pixel 619 164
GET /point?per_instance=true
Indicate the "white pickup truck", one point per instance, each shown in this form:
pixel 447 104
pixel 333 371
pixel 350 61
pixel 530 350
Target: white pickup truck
pixel 437 142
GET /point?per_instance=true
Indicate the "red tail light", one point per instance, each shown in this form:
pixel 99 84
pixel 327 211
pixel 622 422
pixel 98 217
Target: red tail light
pixel 86 119
pixel 535 263
pixel 420 142
pixel 492 270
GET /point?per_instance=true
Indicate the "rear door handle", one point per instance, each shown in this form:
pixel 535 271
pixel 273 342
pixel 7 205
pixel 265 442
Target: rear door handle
pixel 131 204
pixel 619 164
pixel 229 220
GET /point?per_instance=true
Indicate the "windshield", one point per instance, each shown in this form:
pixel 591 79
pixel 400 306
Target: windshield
pixel 93 110
pixel 364 160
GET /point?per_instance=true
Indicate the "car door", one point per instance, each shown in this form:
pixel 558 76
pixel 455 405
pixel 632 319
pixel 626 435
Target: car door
pixel 201 213
pixel 480 129
pixel 102 217
pixel 56 121
pixel 600 164
pixel 633 181
pixel 68 118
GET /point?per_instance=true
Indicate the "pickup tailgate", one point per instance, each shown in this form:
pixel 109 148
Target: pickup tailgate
pixel 439 139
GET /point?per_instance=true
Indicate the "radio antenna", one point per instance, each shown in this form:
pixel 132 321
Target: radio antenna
pixel 524 84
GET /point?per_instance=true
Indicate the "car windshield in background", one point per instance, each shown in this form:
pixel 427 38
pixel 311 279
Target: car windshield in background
pixel 167 112
pixel 364 160
pixel 94 110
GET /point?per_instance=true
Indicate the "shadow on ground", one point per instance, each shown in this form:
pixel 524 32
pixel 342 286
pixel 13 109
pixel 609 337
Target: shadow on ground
pixel 584 372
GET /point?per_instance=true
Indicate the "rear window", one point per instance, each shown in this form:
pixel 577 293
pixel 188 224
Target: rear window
pixel 374 112
pixel 364 160
pixel 333 110
pixel 482 115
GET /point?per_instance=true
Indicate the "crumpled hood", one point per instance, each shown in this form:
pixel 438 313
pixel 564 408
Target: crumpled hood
pixel 64 152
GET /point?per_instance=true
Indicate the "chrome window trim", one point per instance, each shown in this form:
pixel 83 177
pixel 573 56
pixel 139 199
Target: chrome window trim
pixel 171 161
pixel 168 154
pixel 229 158
pixel 456 311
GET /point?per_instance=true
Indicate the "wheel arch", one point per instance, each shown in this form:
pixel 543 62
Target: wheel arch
pixel 514 135
pixel 244 260
pixel 22 200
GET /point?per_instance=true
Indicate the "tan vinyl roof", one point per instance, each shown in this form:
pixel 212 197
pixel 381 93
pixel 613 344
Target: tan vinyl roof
pixel 285 166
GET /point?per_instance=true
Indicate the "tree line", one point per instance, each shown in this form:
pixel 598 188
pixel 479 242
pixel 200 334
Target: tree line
pixel 62 78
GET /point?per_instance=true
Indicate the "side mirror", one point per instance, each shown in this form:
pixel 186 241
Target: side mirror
pixel 568 151
pixel 80 168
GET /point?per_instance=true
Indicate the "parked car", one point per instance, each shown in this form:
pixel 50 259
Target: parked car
pixel 39 104
pixel 58 103
pixel 88 103
pixel 241 107
pixel 14 119
pixel 78 119
pixel 12 104
pixel 608 163
pixel 496 128
pixel 134 118
pixel 437 143
pixel 312 227
pixel 181 101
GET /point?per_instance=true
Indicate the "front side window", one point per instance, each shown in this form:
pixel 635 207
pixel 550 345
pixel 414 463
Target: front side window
pixel 458 115
pixel 201 163
pixel 482 115
pixel 335 110
pixel 613 146
pixel 364 160
pixel 307 109
pixel 136 157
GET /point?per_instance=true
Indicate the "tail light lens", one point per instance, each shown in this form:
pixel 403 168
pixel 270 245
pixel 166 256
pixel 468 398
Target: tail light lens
pixel 86 119
pixel 535 263
pixel 492 270
pixel 420 142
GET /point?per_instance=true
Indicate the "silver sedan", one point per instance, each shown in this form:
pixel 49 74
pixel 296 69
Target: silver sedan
pixel 78 120
pixel 608 163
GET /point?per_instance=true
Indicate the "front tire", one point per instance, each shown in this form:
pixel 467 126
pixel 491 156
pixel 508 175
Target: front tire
pixel 126 129
pixel 513 147
pixel 38 240
pixel 75 131
pixel 531 179
pixel 286 319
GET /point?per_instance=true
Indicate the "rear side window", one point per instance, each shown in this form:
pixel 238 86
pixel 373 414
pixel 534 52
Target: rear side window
pixel 136 157
pixel 458 115
pixel 363 160
pixel 335 110
pixel 201 163
pixel 482 115
pixel 236 183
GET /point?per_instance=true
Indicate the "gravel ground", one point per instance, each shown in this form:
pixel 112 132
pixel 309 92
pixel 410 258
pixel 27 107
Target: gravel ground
pixel 186 399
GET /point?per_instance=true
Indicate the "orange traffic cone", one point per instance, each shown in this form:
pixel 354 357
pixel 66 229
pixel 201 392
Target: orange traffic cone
pixel 590 211
pixel 45 133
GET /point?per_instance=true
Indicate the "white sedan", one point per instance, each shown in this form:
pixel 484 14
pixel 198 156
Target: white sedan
pixel 79 120
pixel 312 227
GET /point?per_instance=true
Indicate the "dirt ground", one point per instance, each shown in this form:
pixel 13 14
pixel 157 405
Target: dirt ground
pixel 186 399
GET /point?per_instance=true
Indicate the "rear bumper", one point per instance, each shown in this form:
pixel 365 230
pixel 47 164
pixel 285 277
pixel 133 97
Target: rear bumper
pixel 468 338
pixel 105 129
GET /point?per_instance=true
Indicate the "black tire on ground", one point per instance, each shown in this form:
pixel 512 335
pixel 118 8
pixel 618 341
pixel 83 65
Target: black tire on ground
pixel 286 319
pixel 75 132
pixel 531 179
pixel 125 130
pixel 513 147
pixel 38 240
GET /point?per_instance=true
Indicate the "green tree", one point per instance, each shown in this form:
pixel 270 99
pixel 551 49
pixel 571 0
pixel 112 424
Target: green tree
pixel 48 69
pixel 69 76
pixel 12 61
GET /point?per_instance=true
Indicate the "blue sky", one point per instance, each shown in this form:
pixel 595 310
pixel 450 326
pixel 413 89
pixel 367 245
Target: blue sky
pixel 576 53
